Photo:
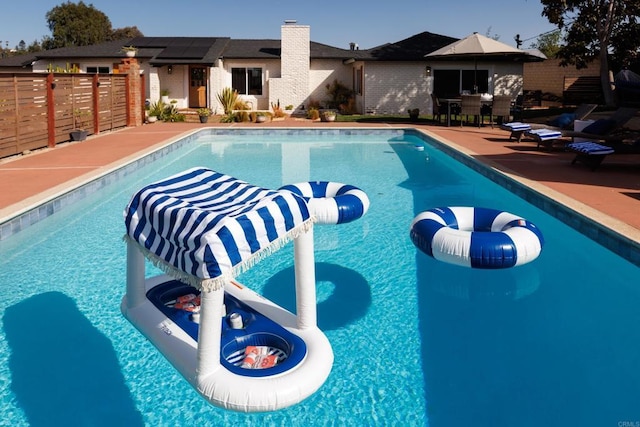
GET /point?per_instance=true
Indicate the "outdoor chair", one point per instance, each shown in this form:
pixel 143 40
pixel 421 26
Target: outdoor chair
pixel 599 130
pixel 471 105
pixel 501 108
pixel 436 108
pixel 604 129
pixel 593 153
pixel 563 122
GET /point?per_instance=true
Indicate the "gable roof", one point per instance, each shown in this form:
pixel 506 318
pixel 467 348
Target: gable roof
pixel 206 50
pixel 413 48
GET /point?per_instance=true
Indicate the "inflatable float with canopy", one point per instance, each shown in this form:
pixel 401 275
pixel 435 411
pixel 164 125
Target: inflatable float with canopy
pixel 239 350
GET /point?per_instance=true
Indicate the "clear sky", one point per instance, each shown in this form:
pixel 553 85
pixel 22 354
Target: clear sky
pixel 335 23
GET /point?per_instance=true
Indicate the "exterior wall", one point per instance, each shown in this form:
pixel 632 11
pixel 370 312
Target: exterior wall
pixel 220 78
pixel 177 83
pixel 393 88
pixel 324 72
pixel 548 76
pixel 508 79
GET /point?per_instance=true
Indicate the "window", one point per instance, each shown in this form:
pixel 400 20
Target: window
pixel 481 79
pixel 446 83
pixel 101 70
pixel 357 80
pixel 450 83
pixel 247 81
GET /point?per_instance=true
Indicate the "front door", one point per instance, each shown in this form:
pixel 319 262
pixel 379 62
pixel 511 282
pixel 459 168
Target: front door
pixel 197 87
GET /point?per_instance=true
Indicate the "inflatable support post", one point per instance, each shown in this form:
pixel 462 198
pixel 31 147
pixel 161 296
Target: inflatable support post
pixel 304 261
pixel 135 276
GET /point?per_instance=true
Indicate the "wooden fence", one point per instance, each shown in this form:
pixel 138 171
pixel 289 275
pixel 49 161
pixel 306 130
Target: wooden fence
pixel 40 110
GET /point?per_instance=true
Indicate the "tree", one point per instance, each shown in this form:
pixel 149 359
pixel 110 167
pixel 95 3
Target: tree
pixel 548 43
pixel 34 47
pixel 595 28
pixel 76 24
pixel 126 33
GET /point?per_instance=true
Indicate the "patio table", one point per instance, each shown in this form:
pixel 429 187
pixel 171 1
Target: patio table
pixel 450 101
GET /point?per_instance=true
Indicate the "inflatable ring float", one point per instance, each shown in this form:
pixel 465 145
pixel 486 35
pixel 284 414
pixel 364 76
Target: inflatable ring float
pixel 476 237
pixel 332 202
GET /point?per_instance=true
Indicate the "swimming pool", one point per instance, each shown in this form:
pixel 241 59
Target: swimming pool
pixel 416 341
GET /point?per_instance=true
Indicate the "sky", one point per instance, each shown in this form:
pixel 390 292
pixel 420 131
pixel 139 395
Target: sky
pixel 335 23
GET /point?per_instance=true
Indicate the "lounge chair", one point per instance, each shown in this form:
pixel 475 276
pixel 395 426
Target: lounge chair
pixel 593 153
pixel 600 130
pixel 560 123
pixel 604 129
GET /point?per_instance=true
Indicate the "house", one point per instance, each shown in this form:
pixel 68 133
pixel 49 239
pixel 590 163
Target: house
pixel 388 79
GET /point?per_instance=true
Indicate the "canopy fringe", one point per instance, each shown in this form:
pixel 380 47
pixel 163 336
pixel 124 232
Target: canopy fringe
pixel 217 283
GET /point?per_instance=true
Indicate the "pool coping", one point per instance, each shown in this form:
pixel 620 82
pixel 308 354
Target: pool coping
pixel 610 232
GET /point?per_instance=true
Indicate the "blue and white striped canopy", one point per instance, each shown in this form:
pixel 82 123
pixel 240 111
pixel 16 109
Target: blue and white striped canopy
pixel 204 227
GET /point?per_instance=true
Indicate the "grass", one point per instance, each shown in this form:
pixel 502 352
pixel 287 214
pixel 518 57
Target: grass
pixel 537 114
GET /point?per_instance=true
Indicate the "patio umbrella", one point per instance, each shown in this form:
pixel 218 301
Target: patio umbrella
pixel 476 46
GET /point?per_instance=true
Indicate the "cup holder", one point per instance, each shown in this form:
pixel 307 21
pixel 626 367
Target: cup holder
pixel 234 351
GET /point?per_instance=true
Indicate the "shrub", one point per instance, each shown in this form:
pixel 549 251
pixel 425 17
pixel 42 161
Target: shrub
pixel 339 94
pixel 313 113
pixel 228 98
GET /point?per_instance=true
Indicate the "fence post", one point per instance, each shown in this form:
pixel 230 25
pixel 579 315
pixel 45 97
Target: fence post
pixel 51 112
pixel 131 68
pixel 95 93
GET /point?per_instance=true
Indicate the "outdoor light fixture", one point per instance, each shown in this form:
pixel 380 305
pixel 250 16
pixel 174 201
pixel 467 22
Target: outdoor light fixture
pixel 428 70
pixel 170 69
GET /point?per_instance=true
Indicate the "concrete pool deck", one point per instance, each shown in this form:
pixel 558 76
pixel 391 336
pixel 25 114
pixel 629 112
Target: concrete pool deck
pixel 609 196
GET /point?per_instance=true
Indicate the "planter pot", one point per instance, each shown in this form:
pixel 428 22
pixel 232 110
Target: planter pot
pixel 204 119
pixel 261 119
pixel 78 135
pixel 130 53
pixel 152 119
pixel 165 99
pixel 330 118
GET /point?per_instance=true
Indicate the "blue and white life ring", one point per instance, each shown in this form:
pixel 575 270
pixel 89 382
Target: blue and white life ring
pixel 476 237
pixel 332 202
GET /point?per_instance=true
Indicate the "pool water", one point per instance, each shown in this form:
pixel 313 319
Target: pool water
pixel 417 342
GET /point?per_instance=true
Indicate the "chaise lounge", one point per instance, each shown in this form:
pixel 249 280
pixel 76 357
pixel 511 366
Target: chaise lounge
pixel 593 153
pixel 560 123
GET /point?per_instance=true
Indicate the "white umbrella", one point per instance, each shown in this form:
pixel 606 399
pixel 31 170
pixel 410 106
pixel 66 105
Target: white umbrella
pixel 477 46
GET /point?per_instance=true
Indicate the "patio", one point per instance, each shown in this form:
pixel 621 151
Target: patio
pixel 611 195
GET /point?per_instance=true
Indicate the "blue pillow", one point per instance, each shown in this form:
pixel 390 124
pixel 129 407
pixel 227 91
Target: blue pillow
pixel 563 121
pixel 600 127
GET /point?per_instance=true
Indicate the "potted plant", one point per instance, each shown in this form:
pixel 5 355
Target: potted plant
pixel 204 114
pixel 157 109
pixel 413 113
pixel 130 51
pixel 328 116
pixel 79 133
pixel 164 96
pixel 261 117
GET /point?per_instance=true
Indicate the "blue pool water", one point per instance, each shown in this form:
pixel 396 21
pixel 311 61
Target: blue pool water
pixel 417 342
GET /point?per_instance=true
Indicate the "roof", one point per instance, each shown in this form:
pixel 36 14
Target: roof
pixel 411 49
pixel 206 50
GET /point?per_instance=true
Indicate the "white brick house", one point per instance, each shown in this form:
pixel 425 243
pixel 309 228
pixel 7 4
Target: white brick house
pixel 388 79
